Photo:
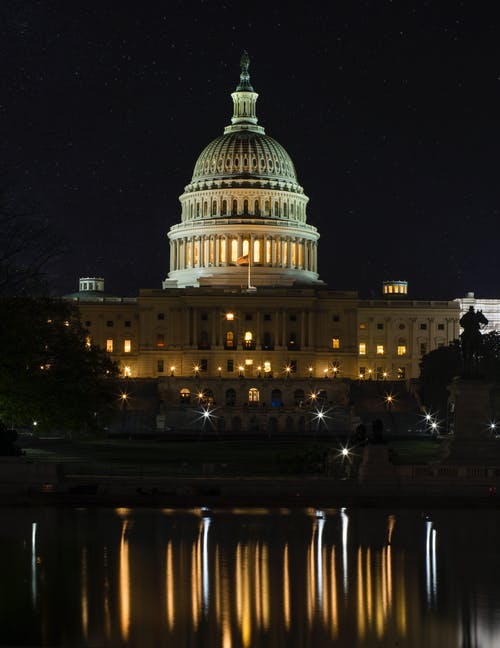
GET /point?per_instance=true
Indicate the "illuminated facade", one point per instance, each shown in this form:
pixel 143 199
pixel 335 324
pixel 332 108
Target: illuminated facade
pixel 243 303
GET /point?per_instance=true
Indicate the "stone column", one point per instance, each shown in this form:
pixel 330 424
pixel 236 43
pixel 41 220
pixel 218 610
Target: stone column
pixel 276 329
pixel 216 251
pixel 302 329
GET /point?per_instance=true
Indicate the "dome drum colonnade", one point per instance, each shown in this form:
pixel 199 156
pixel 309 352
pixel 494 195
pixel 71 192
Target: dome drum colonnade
pixel 243 204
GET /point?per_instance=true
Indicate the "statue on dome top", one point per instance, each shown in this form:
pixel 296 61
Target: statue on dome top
pixel 244 84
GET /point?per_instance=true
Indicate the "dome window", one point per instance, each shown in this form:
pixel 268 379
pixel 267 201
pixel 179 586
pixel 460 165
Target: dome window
pixel 228 162
pixel 254 162
pixel 224 207
pixel 236 162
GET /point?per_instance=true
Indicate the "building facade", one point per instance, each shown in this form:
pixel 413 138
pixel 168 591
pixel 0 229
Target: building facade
pixel 243 302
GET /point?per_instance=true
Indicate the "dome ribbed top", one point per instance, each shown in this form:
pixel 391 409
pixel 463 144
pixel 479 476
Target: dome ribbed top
pixel 244 154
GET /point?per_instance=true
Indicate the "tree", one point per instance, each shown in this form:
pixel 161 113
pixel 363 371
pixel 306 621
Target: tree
pixel 439 367
pixel 49 370
pixel 437 370
pixel 27 245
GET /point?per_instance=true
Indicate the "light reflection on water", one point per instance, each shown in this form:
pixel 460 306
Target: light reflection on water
pixel 249 578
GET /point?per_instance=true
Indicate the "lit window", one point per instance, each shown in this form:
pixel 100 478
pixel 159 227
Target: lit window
pixel 362 326
pixel 248 336
pixel 401 349
pixel 127 371
pixel 127 346
pixel 253 395
pixel 336 343
pixel 267 366
pixel 160 340
pixel 88 342
pixel 109 346
pixel 230 316
pixel 380 349
pixel 440 327
pixel 249 362
pixel 362 348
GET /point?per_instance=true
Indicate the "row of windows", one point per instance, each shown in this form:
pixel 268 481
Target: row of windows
pixel 226 208
pixel 110 345
pixel 380 349
pixel 380 326
pixel 109 323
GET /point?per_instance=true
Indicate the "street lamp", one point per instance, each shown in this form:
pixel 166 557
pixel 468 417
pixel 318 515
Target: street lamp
pixel 172 370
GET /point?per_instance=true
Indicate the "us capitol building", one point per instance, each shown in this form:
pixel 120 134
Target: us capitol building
pixel 243 318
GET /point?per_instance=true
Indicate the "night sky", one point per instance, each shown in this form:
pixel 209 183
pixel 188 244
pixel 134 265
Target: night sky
pixel 389 110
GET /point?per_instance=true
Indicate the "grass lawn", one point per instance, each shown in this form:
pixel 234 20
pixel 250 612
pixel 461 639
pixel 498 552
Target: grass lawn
pixel 231 457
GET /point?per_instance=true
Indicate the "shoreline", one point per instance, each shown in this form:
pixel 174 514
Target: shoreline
pixel 93 491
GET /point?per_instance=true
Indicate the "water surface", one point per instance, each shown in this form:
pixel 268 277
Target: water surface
pixel 249 578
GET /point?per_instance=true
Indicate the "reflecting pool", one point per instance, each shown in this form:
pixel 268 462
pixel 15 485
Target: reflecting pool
pixel 250 577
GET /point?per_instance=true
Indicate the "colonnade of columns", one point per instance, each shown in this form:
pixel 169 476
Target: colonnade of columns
pixel 271 206
pixel 219 251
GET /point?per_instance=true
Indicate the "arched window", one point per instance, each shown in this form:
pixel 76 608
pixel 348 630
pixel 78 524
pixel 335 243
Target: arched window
pixel 267 342
pixel 298 396
pixel 266 208
pixel 276 398
pixel 248 341
pixel 224 207
pixel 245 206
pixel 276 209
pixel 230 397
pixel 285 211
pixel 204 343
pixel 268 251
pixel 235 207
pixel 253 395
pixel 185 396
pixel 245 247
pixel 214 207
pixel 197 209
pixel 205 208
pixel 256 210
pixel 229 343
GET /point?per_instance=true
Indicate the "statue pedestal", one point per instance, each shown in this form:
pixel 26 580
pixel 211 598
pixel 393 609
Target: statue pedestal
pixel 376 470
pixel 472 435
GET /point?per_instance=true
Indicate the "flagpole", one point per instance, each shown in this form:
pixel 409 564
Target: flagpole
pixel 249 265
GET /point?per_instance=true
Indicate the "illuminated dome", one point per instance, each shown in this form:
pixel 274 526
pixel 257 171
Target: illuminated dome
pixel 244 154
pixel 243 207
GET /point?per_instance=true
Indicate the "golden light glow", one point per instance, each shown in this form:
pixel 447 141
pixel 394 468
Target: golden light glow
pixel 362 348
pixel 286 588
pixel 335 343
pixel 127 371
pixel 170 587
pixel 401 349
pixel 267 366
pixel 109 346
pixel 124 584
pixel 248 336
pixel 127 346
pixel 380 349
pixel 230 317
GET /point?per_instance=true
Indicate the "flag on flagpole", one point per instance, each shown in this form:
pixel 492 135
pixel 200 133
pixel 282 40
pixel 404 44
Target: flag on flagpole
pixel 242 260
